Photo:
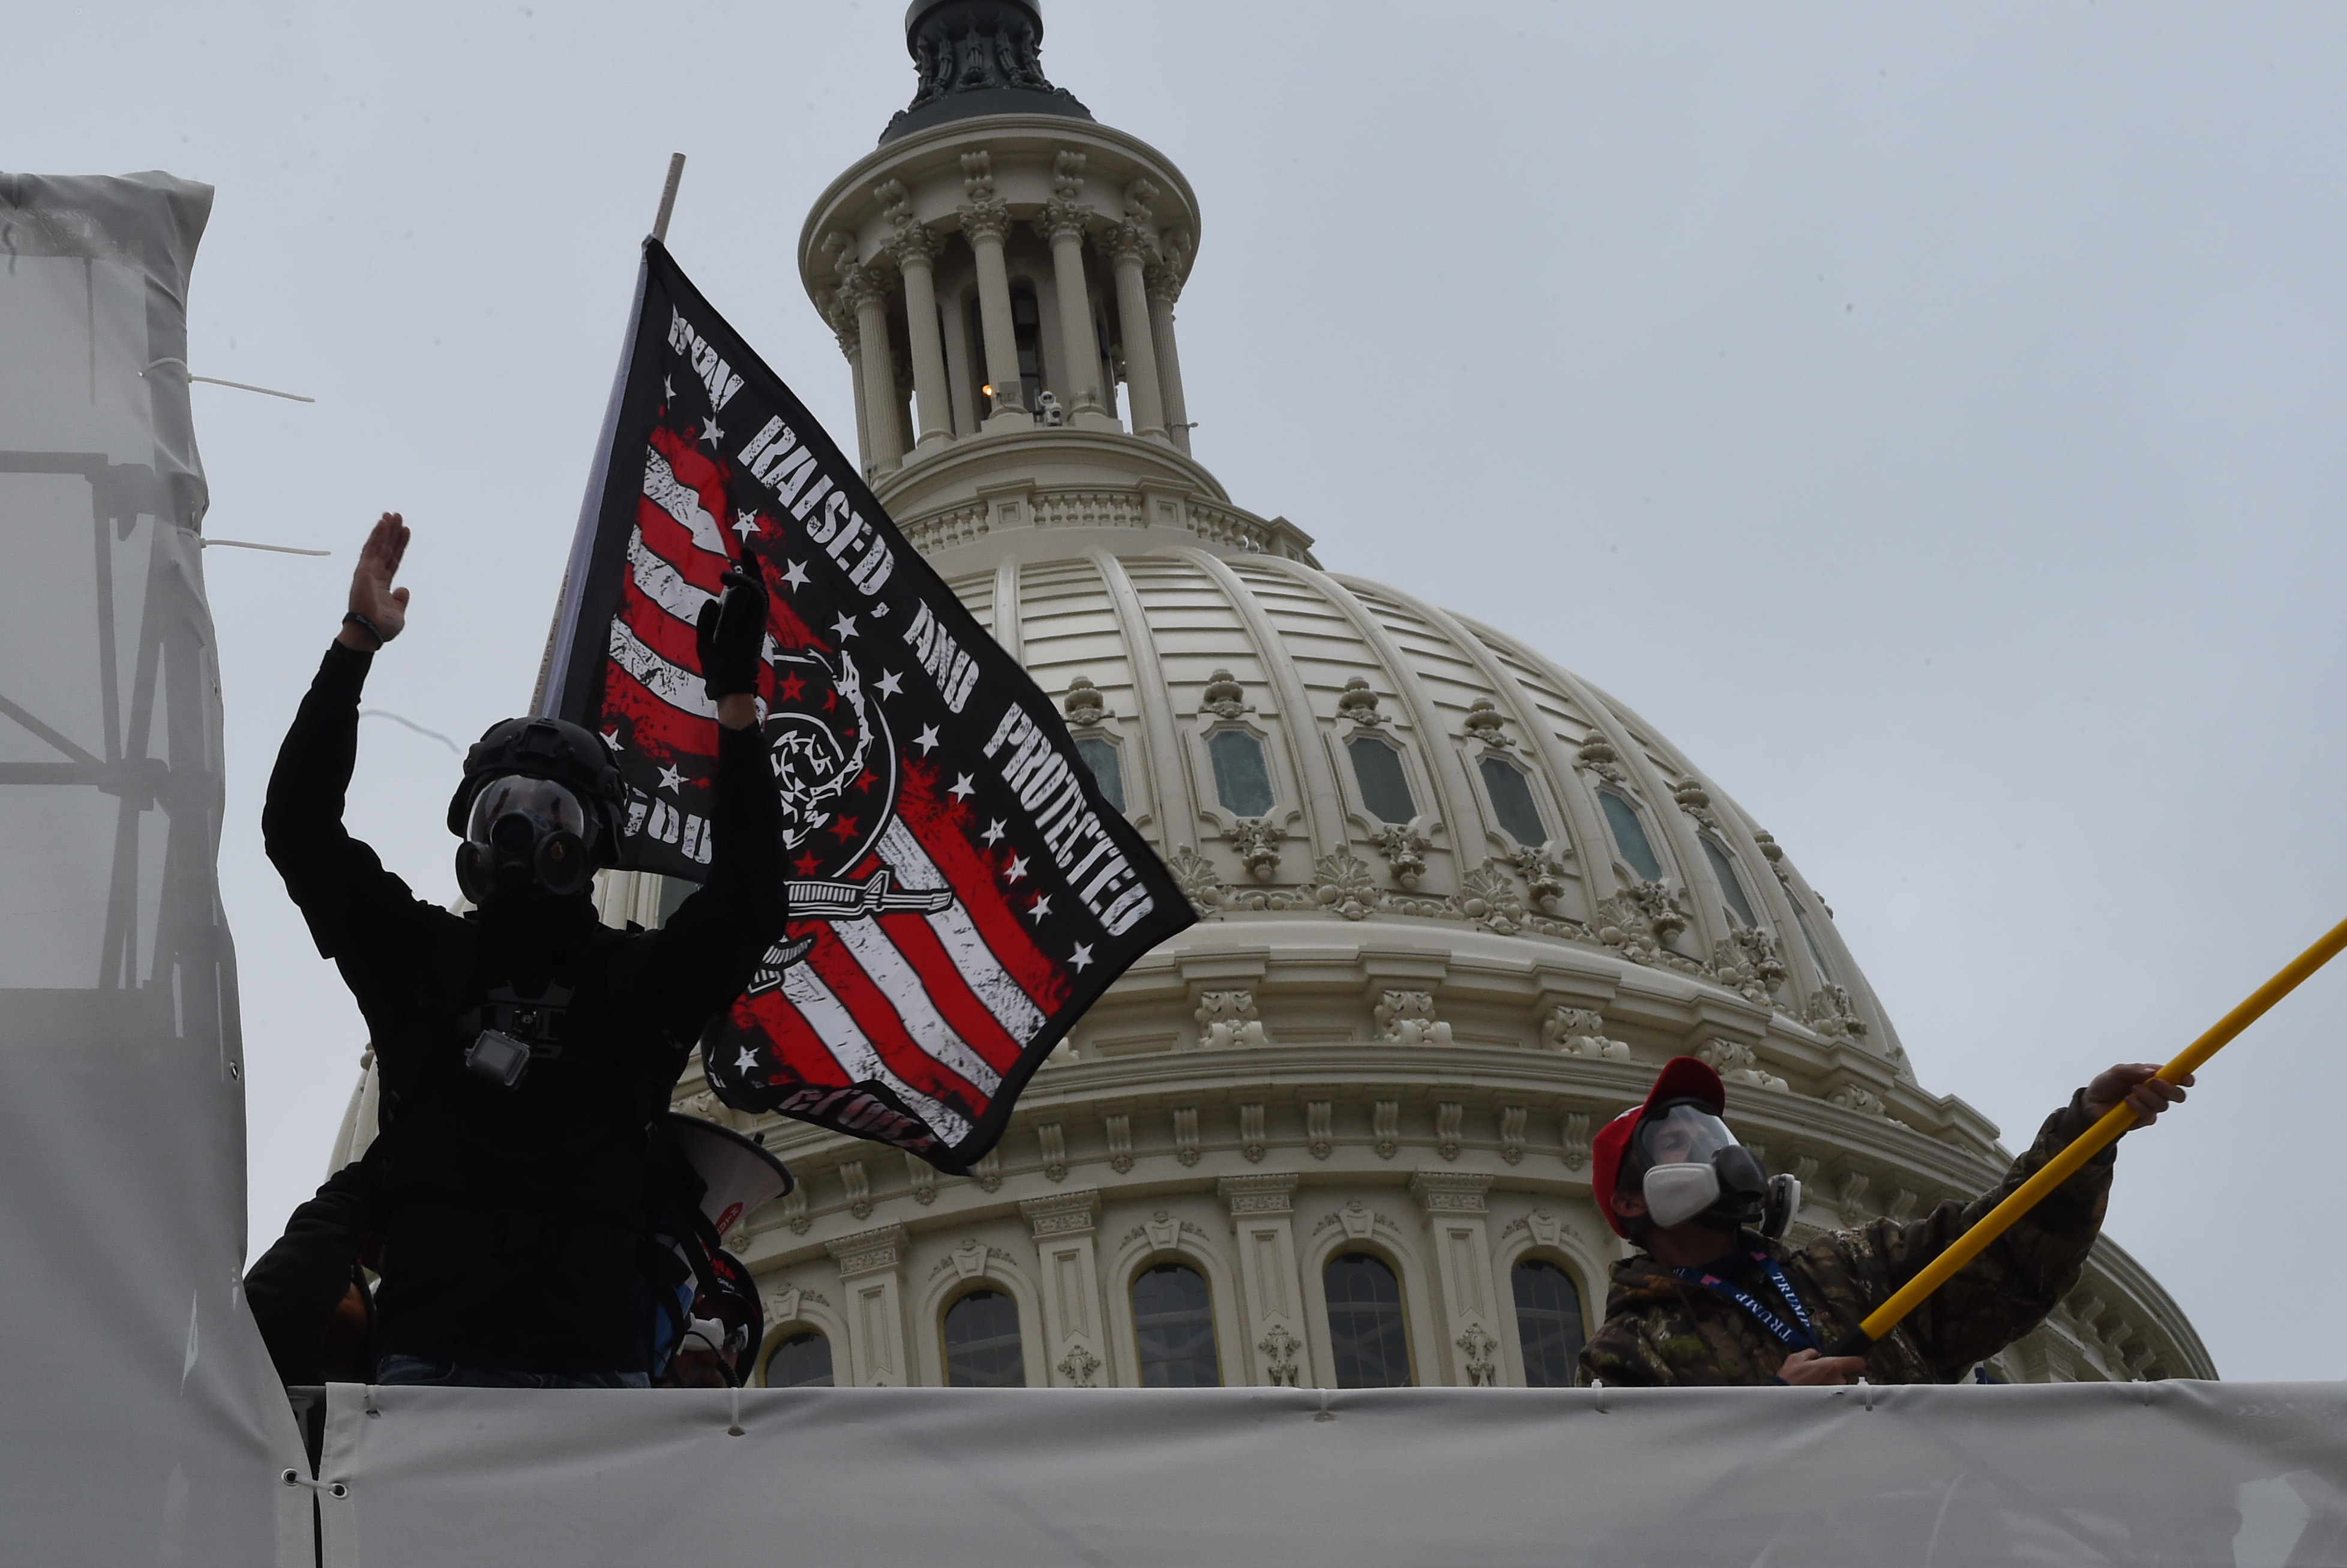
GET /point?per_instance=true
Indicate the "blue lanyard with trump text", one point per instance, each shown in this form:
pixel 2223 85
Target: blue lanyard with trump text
pixel 1805 1337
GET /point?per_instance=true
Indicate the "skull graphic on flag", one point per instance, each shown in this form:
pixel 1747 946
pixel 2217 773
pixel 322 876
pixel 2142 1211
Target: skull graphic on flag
pixel 959 892
pixel 818 736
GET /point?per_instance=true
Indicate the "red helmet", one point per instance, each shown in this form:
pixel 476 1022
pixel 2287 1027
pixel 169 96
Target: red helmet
pixel 1682 1078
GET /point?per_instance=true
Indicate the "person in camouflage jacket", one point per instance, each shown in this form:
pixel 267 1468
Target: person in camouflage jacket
pixel 1663 1330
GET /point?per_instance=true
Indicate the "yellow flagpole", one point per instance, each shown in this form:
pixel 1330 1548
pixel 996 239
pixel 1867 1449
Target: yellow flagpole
pixel 2059 1169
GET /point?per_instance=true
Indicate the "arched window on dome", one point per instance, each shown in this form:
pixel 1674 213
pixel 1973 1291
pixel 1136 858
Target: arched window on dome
pixel 982 1349
pixel 1548 1324
pixel 1366 1331
pixel 1630 836
pixel 1512 803
pixel 1730 884
pixel 1108 770
pixel 801 1362
pixel 1385 788
pixel 1174 1329
pixel 1242 775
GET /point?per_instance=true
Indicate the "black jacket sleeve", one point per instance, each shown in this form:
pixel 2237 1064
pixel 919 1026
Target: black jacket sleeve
pixel 357 911
pixel 703 958
pixel 299 1281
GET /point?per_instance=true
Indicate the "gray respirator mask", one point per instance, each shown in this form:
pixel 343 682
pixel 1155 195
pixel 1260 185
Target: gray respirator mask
pixel 524 835
pixel 1695 1170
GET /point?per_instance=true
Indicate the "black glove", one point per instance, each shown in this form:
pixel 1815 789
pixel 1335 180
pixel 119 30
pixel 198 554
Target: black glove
pixel 732 632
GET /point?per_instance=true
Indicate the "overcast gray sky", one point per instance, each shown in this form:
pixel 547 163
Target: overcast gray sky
pixel 1927 415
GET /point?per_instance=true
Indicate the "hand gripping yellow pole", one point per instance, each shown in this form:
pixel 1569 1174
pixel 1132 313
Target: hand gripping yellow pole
pixel 2057 1169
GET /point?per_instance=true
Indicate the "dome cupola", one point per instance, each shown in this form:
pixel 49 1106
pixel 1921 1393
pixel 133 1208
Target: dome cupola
pixel 1002 273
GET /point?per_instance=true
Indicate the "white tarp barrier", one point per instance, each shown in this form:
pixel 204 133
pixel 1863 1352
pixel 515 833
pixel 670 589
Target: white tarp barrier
pixel 139 1420
pixel 2237 1475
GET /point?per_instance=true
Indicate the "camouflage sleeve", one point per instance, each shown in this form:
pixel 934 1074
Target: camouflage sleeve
pixel 1619 1356
pixel 2018 1278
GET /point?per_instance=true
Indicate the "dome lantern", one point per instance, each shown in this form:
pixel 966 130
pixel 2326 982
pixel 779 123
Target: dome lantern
pixel 977 58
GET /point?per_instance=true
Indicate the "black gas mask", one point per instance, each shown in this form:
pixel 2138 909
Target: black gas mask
pixel 524 837
pixel 1695 1170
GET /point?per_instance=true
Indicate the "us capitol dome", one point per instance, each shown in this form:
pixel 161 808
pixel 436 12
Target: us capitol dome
pixel 1457 904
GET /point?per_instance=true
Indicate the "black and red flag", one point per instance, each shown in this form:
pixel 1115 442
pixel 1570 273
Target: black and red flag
pixel 965 890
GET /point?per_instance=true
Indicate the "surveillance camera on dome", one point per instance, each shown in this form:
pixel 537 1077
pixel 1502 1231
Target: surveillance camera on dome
pixel 1048 410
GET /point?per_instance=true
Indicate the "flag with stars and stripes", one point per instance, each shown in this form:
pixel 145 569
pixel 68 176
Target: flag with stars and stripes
pixel 959 890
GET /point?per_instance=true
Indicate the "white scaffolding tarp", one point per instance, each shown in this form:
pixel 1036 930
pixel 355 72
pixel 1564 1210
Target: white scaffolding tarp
pixel 2237 1475
pixel 138 1422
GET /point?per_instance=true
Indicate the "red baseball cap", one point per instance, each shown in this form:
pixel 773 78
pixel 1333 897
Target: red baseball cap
pixel 1682 1078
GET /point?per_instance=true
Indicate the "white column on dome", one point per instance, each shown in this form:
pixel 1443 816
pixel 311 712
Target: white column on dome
pixel 986 219
pixel 1131 252
pixel 916 253
pixel 961 377
pixel 847 336
pixel 1165 286
pixel 1454 1205
pixel 839 310
pixel 883 409
pixel 1276 1339
pixel 1062 226
pixel 865 294
pixel 1075 1322
pixel 872 1278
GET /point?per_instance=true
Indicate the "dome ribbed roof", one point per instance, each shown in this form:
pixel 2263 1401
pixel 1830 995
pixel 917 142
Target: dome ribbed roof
pixel 1413 766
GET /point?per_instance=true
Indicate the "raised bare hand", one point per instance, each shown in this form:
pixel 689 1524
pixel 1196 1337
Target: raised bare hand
pixel 2138 1084
pixel 382 605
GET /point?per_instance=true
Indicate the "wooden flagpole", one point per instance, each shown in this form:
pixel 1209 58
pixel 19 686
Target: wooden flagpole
pixel 668 195
pixel 554 626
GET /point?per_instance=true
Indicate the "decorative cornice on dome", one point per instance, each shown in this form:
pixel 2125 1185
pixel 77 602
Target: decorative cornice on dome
pixel 1033 520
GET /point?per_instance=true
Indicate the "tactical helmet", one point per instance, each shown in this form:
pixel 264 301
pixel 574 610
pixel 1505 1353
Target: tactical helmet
pixel 543 748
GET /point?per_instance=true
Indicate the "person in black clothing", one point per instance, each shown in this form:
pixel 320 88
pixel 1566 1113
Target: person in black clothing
pixel 524 1046
pixel 307 1295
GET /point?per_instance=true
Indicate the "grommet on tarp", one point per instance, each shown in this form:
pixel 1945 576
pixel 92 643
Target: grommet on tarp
pixel 331 1487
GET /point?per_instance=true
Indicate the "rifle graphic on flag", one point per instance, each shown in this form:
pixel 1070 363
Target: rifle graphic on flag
pixel 960 893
